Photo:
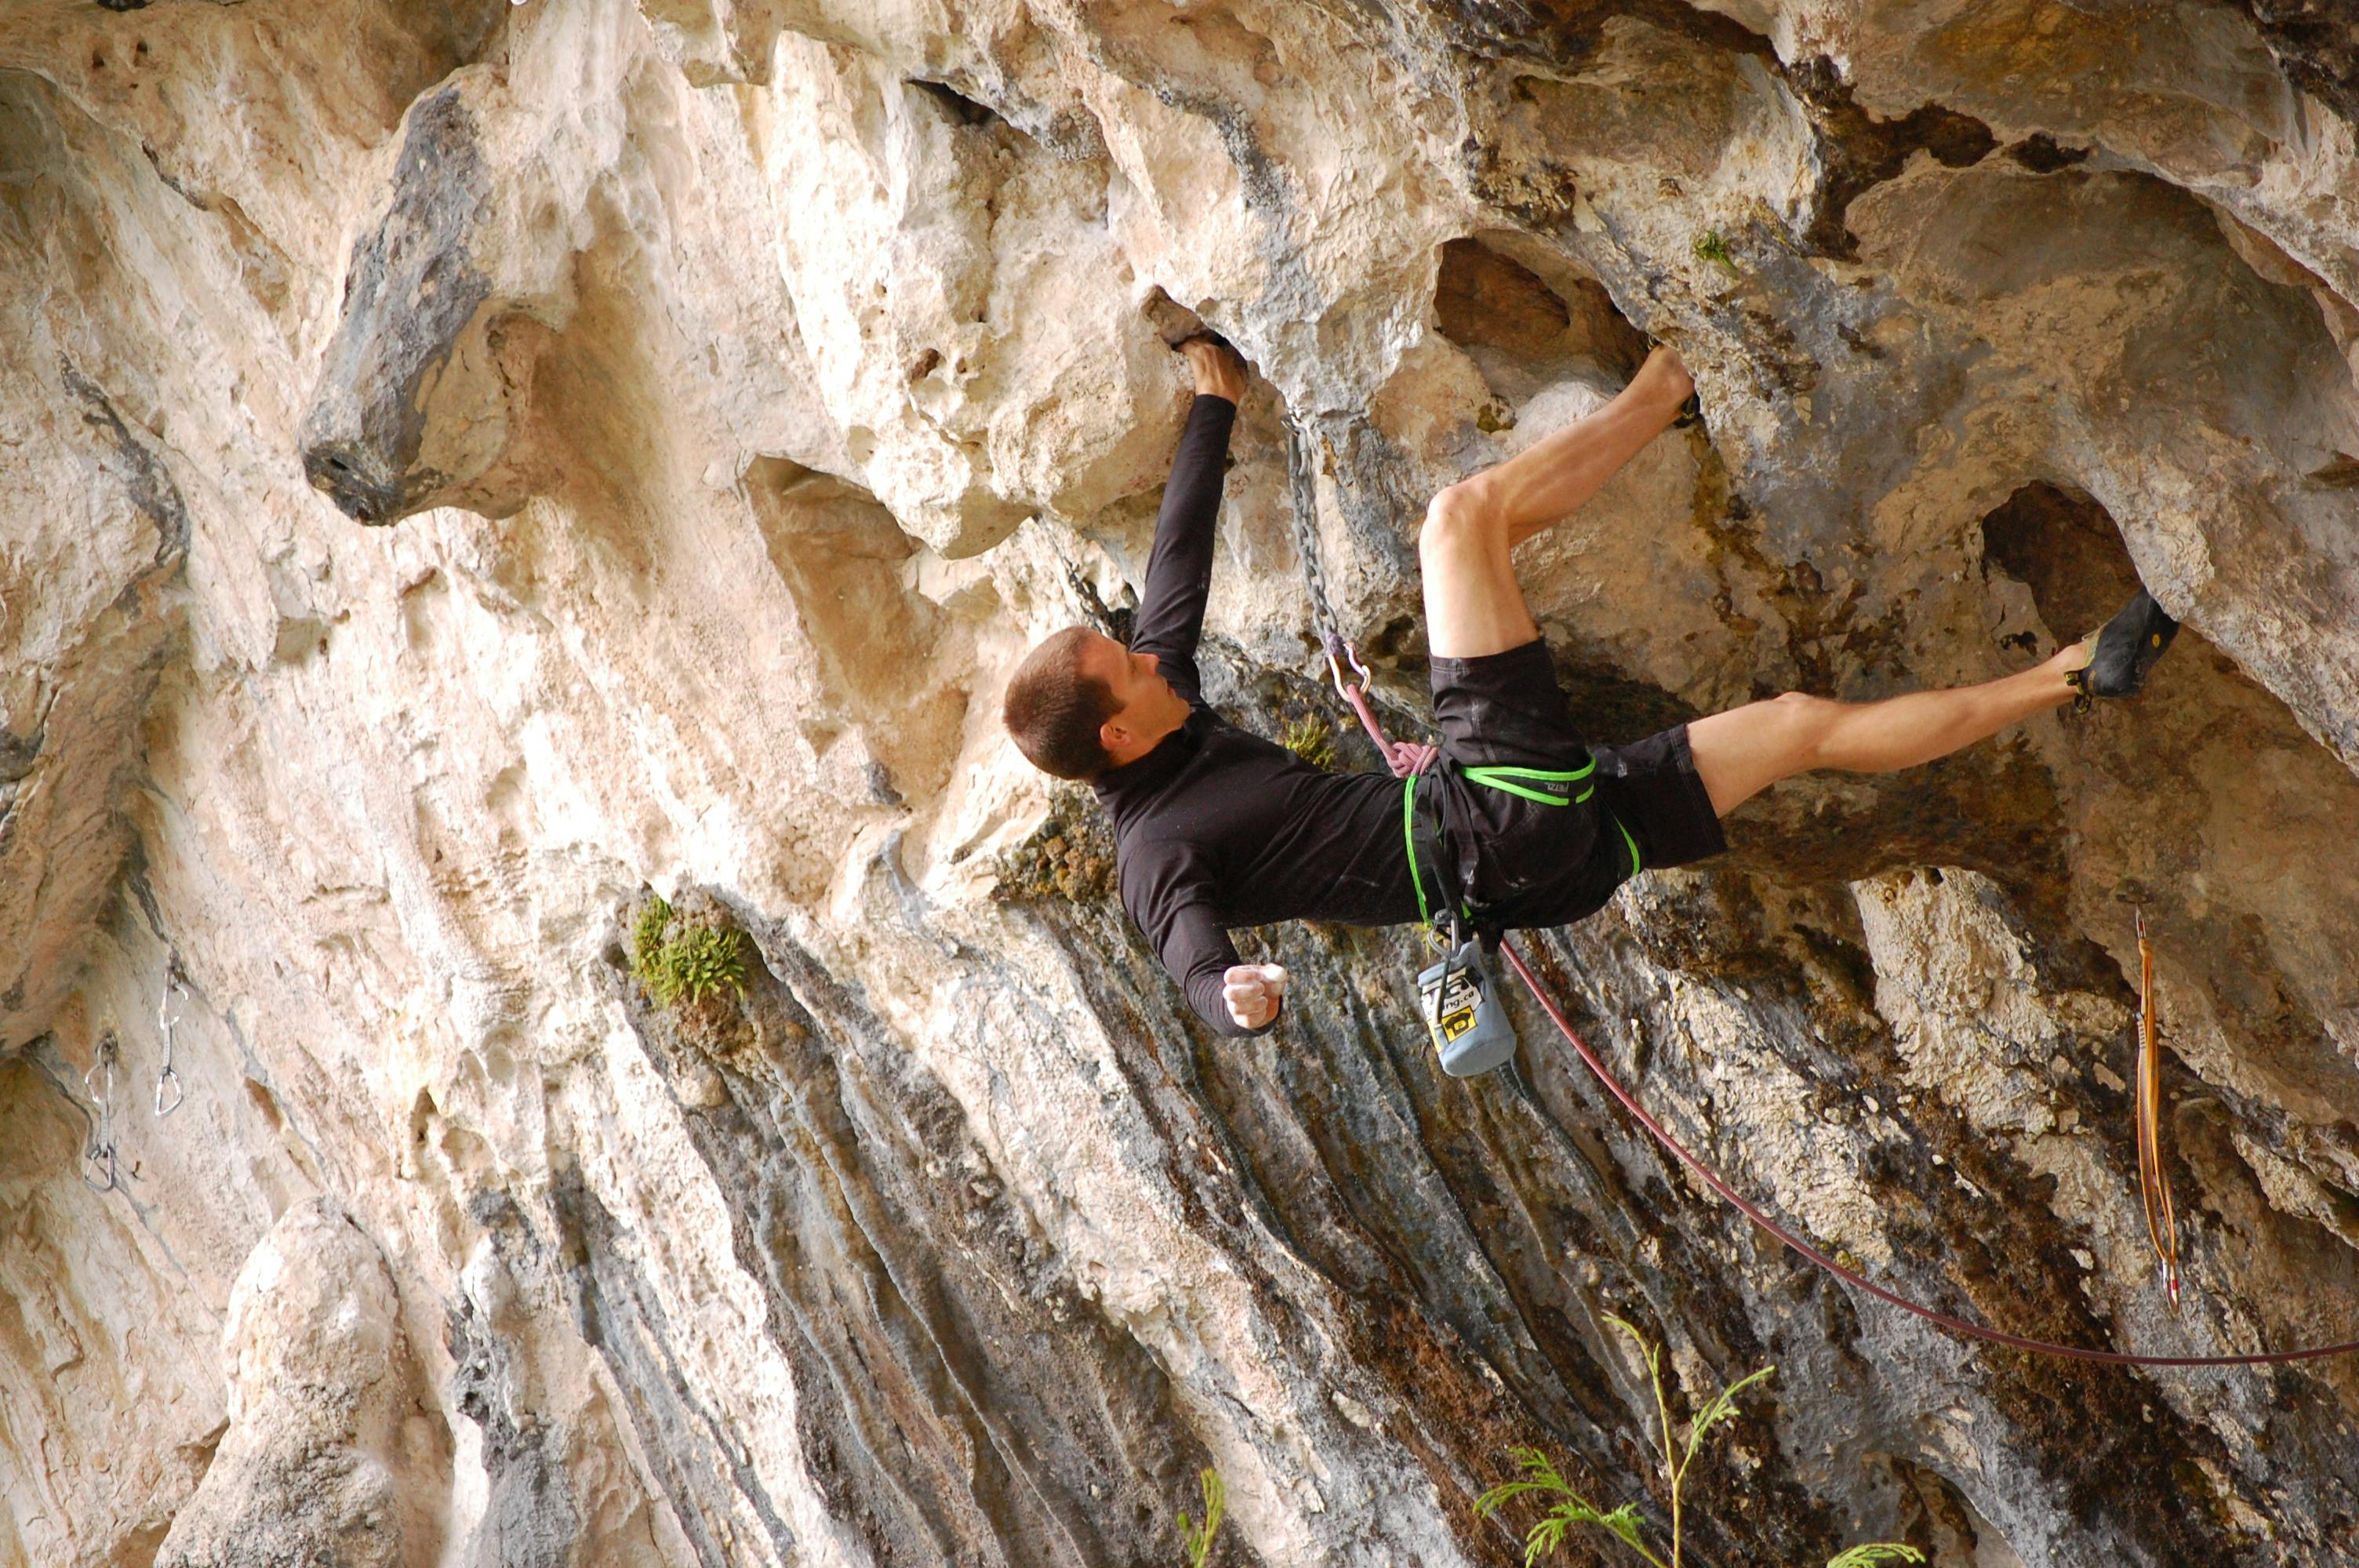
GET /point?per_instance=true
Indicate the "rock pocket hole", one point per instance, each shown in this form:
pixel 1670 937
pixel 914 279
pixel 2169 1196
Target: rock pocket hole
pixel 961 108
pixel 266 1103
pixel 2064 547
pixel 1532 318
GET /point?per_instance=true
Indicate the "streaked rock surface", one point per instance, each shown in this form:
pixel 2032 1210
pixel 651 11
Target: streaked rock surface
pixel 468 467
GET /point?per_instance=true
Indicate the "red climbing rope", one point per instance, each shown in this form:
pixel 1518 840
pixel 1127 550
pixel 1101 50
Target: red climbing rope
pixel 1405 759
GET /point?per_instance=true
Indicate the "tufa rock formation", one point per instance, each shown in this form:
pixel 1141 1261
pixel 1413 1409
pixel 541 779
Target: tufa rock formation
pixel 470 466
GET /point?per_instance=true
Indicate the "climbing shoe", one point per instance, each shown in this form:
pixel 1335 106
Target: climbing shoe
pixel 2126 649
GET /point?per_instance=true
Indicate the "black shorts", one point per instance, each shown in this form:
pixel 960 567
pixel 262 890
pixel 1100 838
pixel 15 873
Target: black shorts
pixel 1545 864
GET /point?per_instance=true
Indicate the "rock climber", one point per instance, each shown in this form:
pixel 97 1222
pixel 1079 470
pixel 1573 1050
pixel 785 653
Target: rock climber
pixel 1217 829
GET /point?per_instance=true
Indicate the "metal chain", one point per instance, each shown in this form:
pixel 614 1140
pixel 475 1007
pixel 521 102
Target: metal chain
pixel 100 1155
pixel 1304 485
pixel 1404 757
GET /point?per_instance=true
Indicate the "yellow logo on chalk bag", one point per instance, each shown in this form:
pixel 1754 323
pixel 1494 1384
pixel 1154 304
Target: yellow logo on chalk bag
pixel 1450 1008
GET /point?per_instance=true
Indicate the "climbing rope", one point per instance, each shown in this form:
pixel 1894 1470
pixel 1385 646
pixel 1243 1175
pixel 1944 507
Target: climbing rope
pixel 1406 759
pixel 1852 1276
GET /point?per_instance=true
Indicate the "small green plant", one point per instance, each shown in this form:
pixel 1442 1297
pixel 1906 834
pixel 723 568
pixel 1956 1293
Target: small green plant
pixel 1311 740
pixel 1710 247
pixel 647 935
pixel 703 959
pixel 1216 1502
pixel 1569 1509
pixel 687 965
pixel 1572 1508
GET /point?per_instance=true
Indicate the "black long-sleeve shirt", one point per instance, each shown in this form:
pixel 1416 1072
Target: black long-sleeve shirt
pixel 1216 828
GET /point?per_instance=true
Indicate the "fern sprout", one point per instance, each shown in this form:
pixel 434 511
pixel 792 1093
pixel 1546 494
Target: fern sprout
pixel 647 935
pixel 1216 1501
pixel 1710 247
pixel 697 963
pixel 1569 1507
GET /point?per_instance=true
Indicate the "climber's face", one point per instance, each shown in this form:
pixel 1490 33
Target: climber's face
pixel 1148 708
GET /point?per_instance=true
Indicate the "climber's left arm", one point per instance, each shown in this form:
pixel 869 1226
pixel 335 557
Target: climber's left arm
pixel 1179 569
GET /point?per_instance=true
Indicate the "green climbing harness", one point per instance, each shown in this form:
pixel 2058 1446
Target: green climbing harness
pixel 1553 788
pixel 1471 1033
pixel 1548 786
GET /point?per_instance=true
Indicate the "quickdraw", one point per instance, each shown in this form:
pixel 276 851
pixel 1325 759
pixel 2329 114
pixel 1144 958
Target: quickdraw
pixel 98 1158
pixel 168 1078
pixel 101 1168
pixel 1406 758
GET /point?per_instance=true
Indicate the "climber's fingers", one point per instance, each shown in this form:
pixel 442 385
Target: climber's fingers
pixel 1253 992
pixel 1218 368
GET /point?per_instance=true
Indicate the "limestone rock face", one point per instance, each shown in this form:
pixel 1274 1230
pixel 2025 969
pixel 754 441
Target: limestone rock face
pixel 466 469
pixel 328 1456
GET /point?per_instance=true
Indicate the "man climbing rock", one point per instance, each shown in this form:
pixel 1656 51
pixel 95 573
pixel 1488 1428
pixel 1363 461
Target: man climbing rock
pixel 1522 823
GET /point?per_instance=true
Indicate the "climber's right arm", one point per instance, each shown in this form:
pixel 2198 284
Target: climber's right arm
pixel 1168 893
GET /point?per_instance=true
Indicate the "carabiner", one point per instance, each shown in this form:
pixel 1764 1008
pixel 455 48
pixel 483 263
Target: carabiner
pixel 102 1059
pixel 1335 645
pixel 163 1027
pixel 101 1151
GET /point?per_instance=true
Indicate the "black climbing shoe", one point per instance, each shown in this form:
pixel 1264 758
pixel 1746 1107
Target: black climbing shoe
pixel 2126 649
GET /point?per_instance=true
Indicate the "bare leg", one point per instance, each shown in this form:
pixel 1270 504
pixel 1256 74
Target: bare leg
pixel 1472 603
pixel 1744 750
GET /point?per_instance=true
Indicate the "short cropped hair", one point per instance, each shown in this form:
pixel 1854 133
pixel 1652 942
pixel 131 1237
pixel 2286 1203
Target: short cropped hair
pixel 1054 710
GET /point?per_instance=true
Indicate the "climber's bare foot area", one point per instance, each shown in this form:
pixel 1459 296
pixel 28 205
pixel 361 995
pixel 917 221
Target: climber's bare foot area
pixel 2068 659
pixel 1665 376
